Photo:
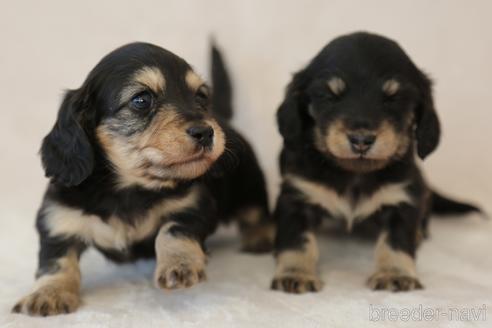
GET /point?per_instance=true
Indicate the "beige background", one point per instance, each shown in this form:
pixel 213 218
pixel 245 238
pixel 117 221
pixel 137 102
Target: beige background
pixel 47 46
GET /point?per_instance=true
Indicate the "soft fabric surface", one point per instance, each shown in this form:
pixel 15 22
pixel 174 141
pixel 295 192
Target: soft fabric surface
pixel 454 265
pixel 48 46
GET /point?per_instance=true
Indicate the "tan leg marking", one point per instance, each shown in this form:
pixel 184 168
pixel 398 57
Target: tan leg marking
pixel 55 293
pixel 296 270
pixel 180 261
pixel 395 270
pixel 256 235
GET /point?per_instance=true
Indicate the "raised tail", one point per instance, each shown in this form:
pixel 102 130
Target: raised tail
pixel 221 84
pixel 442 205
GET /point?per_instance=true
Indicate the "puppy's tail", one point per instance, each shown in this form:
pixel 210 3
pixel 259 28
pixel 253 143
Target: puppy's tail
pixel 221 84
pixel 442 205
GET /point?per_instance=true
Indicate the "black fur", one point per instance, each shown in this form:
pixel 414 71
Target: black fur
pixel 222 100
pixel 444 206
pixel 428 129
pixel 66 152
pixel 363 61
pixel 82 176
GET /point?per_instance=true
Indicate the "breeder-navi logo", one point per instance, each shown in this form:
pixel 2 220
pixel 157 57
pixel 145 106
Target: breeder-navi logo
pixel 421 313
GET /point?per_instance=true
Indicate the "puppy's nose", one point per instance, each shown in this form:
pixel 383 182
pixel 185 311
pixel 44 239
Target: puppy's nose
pixel 202 134
pixel 361 142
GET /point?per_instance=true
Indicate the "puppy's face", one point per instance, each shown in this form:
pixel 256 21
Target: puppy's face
pixel 148 112
pixel 362 123
pixel 160 129
pixel 362 103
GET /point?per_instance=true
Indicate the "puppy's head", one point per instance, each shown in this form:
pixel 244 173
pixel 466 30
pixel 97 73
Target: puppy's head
pixel 146 112
pixel 361 102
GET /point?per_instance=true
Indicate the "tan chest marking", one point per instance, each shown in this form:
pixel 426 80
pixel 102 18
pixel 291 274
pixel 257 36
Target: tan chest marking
pixel 113 233
pixel 341 206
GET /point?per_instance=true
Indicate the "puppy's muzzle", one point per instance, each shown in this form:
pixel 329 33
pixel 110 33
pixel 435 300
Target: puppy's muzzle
pixel 361 142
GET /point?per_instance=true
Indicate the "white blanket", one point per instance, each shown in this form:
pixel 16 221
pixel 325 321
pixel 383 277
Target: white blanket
pixel 454 264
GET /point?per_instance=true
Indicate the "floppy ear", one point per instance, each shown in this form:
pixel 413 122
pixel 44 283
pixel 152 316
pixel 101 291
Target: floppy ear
pixel 66 152
pixel 289 114
pixel 428 130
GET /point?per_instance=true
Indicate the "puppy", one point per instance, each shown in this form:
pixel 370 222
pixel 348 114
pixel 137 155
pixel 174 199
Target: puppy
pixel 140 166
pixel 353 122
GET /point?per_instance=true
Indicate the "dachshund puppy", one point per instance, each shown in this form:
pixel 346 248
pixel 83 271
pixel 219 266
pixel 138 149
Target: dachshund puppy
pixel 352 122
pixel 141 166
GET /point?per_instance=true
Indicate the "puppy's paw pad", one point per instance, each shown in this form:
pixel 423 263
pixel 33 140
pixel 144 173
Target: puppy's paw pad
pixel 47 301
pixel 297 284
pixel 179 276
pixel 393 282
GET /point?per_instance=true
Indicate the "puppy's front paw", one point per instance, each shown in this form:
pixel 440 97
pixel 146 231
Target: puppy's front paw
pixel 393 281
pixel 297 282
pixel 178 275
pixel 48 301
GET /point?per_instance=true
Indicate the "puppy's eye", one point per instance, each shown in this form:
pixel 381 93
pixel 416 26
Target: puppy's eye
pixel 142 101
pixel 202 96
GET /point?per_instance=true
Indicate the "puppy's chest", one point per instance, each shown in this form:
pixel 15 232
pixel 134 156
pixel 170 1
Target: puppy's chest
pixel 112 233
pixel 351 206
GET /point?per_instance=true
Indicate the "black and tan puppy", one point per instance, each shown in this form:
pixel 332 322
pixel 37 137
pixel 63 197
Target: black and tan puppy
pixel 141 165
pixel 353 122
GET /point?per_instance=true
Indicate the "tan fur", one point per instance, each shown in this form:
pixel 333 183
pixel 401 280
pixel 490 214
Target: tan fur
pixel 55 293
pixel 125 158
pixel 180 261
pixel 250 216
pixel 342 206
pixel 193 80
pixel 299 266
pixel 151 77
pixel 391 87
pixel 389 144
pixel 147 77
pixel 257 234
pixel 304 260
pixel 161 154
pixel 336 141
pixel 113 234
pixel 258 238
pixel 386 145
pixel 336 85
pixel 165 141
pixel 405 140
pixel 390 259
pixel 395 270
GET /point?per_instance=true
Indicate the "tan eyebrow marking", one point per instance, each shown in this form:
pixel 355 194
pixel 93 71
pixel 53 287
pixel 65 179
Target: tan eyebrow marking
pixel 151 77
pixel 336 85
pixel 193 80
pixel 391 86
pixel 148 76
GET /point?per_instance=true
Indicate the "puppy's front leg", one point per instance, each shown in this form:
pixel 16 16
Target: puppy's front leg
pixel 295 247
pixel 180 258
pixel 57 288
pixel 395 252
